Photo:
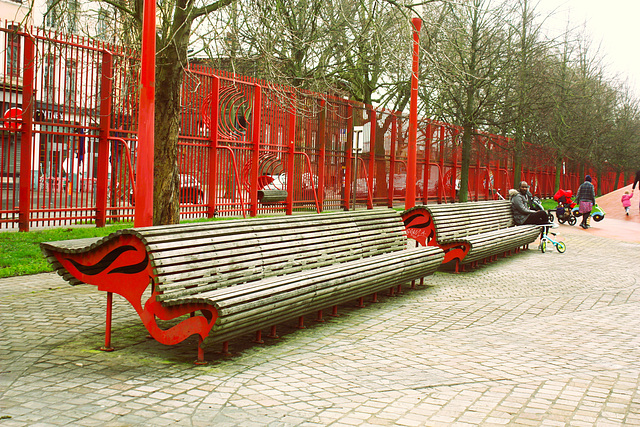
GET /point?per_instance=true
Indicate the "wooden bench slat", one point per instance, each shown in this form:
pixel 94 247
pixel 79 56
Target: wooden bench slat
pixel 247 273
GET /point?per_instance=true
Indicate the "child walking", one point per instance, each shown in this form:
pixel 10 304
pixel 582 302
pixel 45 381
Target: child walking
pixel 626 201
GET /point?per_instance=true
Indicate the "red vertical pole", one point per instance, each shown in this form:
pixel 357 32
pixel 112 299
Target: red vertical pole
pixel 441 187
pixel 478 175
pixel 348 161
pixel 454 161
pixel 144 168
pixel 291 150
pixel 106 85
pixel 255 136
pixel 392 162
pixel 372 157
pixel 413 119
pixel 213 140
pixel 427 164
pixel 322 147
pixel 27 134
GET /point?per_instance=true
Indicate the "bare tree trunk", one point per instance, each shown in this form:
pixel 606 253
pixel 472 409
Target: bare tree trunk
pixel 170 64
pixel 467 137
pixel 558 173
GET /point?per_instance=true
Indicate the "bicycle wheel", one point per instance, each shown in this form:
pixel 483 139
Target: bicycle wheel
pixel 543 246
pixel 561 247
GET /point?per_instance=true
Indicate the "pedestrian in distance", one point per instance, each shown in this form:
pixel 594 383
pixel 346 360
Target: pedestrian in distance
pixel 586 198
pixel 626 201
pixel 635 181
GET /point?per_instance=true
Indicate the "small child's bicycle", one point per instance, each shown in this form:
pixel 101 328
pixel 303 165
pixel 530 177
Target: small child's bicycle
pixel 544 238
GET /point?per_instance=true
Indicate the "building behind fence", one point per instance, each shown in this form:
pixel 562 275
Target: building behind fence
pixel 68 144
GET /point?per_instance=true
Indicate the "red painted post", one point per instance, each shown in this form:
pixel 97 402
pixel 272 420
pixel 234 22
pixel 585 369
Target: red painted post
pixel 106 86
pixel 255 136
pixel 441 160
pixel 454 161
pixel 478 175
pixel 213 140
pixel 413 119
pixel 291 153
pixel 144 168
pixel 322 147
pixel 372 157
pixel 27 134
pixel 348 161
pixel 427 164
pixel 392 161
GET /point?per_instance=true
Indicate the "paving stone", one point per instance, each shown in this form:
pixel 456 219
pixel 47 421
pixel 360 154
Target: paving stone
pixel 526 340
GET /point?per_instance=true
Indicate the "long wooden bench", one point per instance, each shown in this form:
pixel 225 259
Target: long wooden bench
pixel 239 276
pixel 469 232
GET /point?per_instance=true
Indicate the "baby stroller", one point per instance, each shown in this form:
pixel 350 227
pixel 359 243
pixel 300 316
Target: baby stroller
pixel 565 206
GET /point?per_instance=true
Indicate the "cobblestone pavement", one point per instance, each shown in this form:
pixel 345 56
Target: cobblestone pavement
pixel 535 339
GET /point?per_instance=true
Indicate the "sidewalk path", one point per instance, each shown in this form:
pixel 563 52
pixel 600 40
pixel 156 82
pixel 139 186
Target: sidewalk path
pixel 535 339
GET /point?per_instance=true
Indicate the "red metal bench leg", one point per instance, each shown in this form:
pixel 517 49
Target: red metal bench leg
pixel 319 318
pixel 413 284
pixel 375 297
pixel 225 349
pixel 301 322
pixel 200 360
pixel 360 303
pixel 273 334
pixel 258 339
pixel 334 311
pixel 107 331
pixel 399 289
pixel 392 291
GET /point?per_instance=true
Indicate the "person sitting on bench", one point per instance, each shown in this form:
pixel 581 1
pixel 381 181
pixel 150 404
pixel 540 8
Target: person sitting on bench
pixel 520 206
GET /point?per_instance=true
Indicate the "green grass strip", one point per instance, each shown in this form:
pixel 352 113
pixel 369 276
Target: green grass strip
pixel 20 252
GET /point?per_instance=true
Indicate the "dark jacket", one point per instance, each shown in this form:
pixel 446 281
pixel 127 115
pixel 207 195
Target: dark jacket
pixel 636 180
pixel 586 193
pixel 520 208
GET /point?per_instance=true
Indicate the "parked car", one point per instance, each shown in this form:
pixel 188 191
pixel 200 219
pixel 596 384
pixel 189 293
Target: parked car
pixel 190 191
pixel 279 182
pixel 400 185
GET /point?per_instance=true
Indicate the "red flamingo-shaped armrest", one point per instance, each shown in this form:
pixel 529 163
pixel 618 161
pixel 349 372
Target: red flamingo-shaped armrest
pixel 122 265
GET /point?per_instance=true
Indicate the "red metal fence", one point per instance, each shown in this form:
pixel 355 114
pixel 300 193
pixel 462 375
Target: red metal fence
pixel 68 144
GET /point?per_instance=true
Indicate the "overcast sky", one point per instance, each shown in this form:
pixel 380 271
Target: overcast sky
pixel 614 25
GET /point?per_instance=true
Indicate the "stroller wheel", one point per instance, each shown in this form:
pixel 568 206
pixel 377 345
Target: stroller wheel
pixel 551 218
pixel 572 220
pixel 561 247
pixel 561 220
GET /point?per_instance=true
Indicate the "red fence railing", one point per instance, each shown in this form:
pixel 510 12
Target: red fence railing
pixel 68 143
